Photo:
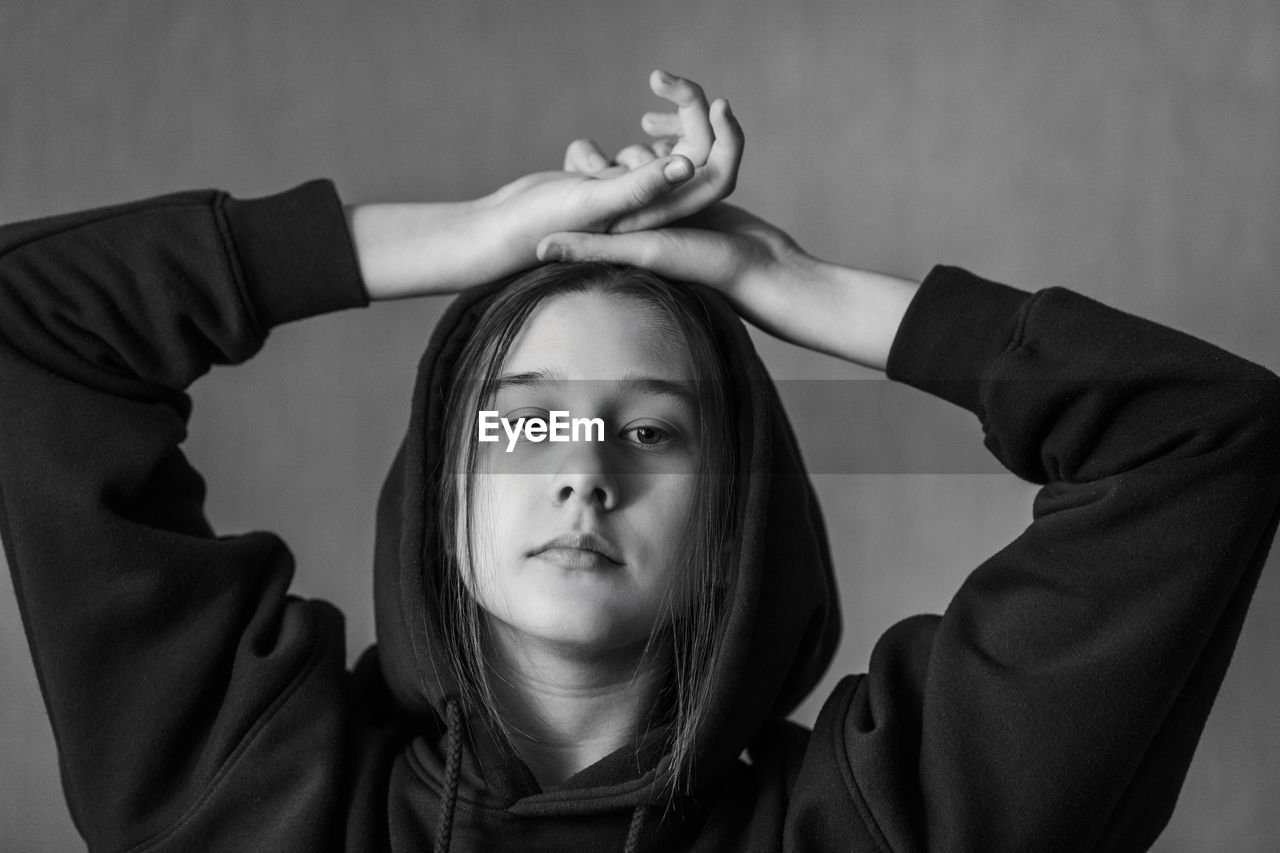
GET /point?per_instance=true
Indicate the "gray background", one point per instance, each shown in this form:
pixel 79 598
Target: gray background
pixel 1130 150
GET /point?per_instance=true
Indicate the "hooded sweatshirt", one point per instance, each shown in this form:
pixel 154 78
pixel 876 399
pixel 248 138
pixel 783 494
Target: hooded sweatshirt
pixel 198 705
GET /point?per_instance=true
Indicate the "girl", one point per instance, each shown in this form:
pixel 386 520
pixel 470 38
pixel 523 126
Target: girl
pixel 594 644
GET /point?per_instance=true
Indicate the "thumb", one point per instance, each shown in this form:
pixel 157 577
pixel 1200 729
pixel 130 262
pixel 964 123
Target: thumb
pixel 636 248
pixel 638 188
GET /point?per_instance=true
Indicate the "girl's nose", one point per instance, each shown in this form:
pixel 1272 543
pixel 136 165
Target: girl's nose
pixel 584 476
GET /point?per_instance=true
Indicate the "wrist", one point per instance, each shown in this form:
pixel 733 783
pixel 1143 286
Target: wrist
pixel 499 229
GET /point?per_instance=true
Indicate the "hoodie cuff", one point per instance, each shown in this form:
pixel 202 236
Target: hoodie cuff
pixel 955 326
pixel 296 255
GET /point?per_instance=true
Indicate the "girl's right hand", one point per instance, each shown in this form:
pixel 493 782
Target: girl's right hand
pixel 707 134
pixel 428 249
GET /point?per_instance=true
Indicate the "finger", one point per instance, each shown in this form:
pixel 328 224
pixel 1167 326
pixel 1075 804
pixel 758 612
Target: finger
pixel 715 181
pixel 613 197
pixel 696 134
pixel 611 171
pixel 661 124
pixel 663 147
pixel 647 249
pixel 583 155
pixel 634 156
pixel 726 154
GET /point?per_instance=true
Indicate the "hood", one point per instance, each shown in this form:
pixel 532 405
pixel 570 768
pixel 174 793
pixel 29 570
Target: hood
pixel 782 618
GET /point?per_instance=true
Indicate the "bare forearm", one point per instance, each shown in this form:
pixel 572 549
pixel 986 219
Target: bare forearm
pixel 849 313
pixel 415 249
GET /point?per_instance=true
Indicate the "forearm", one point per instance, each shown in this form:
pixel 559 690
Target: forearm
pixel 849 313
pixel 407 250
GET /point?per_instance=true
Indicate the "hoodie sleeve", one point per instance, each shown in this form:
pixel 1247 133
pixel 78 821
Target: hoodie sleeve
pixel 195 704
pixel 1058 701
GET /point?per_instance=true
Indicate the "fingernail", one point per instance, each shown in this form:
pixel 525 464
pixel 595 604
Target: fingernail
pixel 552 252
pixel 678 169
pixel 664 77
pixel 596 161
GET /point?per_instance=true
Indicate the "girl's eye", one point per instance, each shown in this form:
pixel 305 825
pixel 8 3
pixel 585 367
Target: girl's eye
pixel 525 414
pixel 648 435
pixel 519 419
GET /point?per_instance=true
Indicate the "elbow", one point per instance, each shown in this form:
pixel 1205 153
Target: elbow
pixel 1256 404
pixel 1265 404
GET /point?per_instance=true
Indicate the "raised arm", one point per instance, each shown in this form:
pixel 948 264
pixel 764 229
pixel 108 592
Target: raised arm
pixel 1064 690
pixel 170 660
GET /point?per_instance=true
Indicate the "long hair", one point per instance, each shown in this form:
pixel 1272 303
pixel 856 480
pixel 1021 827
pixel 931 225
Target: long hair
pixel 687 632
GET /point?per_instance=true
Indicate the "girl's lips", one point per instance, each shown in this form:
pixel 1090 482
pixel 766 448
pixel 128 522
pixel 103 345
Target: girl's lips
pixel 577 558
pixel 581 542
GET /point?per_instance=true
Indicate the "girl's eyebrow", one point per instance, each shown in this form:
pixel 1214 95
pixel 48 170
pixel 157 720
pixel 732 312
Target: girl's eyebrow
pixel 528 379
pixel 659 387
pixel 630 383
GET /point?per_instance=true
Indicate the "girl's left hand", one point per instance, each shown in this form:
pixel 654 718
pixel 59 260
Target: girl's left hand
pixel 767 277
pixel 772 282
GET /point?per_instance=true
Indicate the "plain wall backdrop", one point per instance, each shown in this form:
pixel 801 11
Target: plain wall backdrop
pixel 1129 150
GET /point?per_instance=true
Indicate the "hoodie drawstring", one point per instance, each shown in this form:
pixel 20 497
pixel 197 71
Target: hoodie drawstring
pixel 452 770
pixel 637 827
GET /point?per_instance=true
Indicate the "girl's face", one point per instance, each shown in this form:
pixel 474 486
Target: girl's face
pixel 576 542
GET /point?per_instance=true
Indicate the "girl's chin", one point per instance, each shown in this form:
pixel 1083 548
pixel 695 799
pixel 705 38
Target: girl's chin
pixel 576 628
pixel 588 636
pixel 572 608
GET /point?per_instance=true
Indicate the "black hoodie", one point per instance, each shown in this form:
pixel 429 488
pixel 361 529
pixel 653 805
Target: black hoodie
pixel 198 705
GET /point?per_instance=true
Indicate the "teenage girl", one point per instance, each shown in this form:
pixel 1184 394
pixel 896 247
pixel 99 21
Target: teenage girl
pixel 594 644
